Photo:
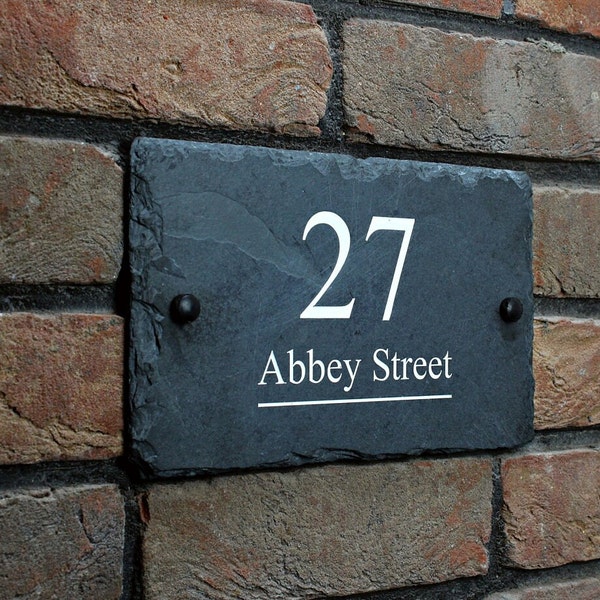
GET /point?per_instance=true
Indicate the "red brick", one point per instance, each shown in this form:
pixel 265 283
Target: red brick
pixel 486 8
pixel 552 508
pixel 566 364
pixel 421 88
pixel 566 241
pixel 257 64
pixel 62 543
pixel 309 533
pixel 584 589
pixel 572 16
pixel 61 380
pixel 61 209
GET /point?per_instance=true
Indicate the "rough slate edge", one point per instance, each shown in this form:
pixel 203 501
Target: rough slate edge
pixel 145 241
pixel 145 245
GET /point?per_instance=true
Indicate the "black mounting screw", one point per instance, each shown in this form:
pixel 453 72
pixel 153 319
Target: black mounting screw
pixel 185 308
pixel 511 310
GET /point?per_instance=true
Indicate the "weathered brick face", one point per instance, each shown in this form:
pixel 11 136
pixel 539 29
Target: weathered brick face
pixel 310 533
pixel 65 543
pixel 422 88
pixel 566 361
pixel 60 213
pixel 567 245
pixel 61 382
pixel 552 508
pixel 573 16
pixel 262 64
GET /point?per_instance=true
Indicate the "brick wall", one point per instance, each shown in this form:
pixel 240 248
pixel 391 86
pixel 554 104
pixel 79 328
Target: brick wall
pixel 502 83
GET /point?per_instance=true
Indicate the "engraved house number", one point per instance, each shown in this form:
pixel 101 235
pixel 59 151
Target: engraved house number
pixel 315 311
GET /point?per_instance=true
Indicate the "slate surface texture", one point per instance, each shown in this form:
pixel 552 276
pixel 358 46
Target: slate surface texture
pixel 416 356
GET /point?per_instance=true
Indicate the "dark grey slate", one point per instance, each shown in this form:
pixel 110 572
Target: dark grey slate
pixel 225 223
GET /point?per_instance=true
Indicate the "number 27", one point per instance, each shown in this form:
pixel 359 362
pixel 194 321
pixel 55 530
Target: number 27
pixel 312 311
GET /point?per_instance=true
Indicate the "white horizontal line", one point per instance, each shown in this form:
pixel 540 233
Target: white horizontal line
pixel 352 401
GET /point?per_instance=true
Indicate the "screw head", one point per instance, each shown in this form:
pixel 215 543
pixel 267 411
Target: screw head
pixel 185 308
pixel 511 310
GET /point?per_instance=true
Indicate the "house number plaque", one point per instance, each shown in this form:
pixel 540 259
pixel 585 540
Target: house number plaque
pixel 295 307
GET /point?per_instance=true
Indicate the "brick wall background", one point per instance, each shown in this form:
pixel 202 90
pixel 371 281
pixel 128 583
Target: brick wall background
pixel 502 83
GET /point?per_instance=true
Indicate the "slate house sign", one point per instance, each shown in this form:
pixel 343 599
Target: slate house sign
pixel 295 307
